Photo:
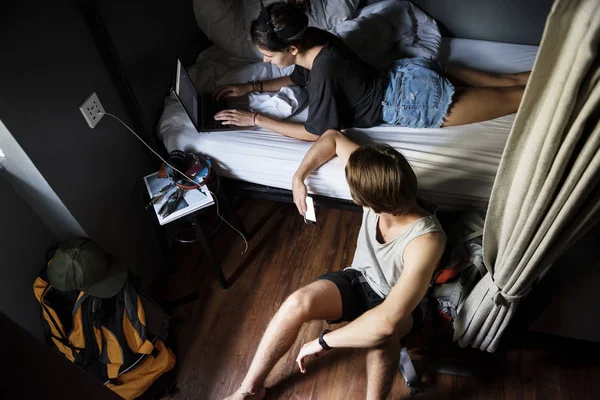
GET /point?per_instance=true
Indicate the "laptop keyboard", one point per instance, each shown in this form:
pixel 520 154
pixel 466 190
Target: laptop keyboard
pixel 210 107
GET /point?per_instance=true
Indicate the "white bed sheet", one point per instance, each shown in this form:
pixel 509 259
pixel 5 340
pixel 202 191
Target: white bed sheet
pixel 456 166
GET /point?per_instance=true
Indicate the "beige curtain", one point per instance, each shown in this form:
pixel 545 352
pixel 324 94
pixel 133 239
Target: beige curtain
pixel 546 193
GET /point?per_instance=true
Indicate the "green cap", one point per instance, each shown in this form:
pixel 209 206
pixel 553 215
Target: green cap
pixel 80 264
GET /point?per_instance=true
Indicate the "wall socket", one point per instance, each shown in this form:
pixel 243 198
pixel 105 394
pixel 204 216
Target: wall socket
pixel 92 110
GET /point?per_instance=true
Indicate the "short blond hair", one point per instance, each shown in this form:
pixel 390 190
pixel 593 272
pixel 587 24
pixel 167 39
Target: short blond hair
pixel 381 178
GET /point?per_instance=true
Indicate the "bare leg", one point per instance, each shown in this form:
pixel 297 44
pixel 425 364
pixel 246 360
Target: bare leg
pixel 319 300
pixel 382 364
pixel 473 78
pixel 481 104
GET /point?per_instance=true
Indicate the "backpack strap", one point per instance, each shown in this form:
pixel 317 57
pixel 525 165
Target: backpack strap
pixel 77 334
pixel 111 353
pixel 409 372
pixel 476 257
pixel 53 327
pixel 122 330
pixel 134 322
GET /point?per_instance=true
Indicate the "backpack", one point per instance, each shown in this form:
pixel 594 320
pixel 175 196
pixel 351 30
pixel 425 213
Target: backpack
pixel 461 268
pixel 119 340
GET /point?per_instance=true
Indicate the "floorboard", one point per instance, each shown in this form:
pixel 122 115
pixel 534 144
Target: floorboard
pixel 214 337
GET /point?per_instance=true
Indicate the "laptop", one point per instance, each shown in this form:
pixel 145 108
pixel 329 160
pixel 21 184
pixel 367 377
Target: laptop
pixel 201 107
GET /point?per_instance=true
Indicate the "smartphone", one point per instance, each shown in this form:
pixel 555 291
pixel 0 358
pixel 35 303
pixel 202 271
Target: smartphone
pixel 310 216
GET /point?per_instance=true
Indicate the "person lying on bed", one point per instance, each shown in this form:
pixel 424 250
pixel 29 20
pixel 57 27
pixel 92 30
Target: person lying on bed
pixel 344 91
pixel 398 249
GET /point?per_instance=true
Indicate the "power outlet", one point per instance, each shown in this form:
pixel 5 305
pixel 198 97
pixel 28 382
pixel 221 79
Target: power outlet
pixel 92 110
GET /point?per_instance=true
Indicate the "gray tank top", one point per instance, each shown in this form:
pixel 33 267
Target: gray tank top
pixel 381 263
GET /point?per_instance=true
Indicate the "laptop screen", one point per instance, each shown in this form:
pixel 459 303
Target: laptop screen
pixel 187 93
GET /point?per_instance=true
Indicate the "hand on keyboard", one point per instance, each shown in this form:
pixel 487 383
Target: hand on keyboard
pixel 224 92
pixel 235 117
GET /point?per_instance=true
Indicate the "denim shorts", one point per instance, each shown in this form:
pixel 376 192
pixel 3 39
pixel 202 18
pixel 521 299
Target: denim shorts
pixel 417 94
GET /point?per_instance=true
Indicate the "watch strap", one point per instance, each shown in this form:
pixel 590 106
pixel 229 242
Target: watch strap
pixel 324 345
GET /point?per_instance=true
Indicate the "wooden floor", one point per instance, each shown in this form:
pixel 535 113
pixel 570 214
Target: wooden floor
pixel 217 334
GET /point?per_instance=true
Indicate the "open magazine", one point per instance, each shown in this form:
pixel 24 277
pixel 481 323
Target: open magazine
pixel 193 200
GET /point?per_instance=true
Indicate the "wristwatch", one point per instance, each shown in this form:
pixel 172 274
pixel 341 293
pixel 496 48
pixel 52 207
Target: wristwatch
pixel 324 345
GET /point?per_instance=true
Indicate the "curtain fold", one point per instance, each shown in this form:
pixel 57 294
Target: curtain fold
pixel 546 194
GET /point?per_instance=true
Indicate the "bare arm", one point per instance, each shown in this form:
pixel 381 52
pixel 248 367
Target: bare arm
pixel 274 85
pixel 377 325
pixel 271 85
pixel 331 143
pixel 290 129
pixel 390 318
pixel 243 118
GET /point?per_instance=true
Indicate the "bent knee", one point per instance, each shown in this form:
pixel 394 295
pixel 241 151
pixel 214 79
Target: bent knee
pixel 299 304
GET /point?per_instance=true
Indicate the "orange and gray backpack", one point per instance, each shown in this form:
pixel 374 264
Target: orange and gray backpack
pixel 460 269
pixel 118 340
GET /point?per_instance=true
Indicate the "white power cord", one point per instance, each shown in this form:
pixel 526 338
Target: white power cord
pixel 182 174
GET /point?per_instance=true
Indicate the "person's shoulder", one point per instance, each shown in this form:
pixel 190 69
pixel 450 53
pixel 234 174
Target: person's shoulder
pixel 434 236
pixel 425 251
pixel 299 69
pixel 324 67
pixel 433 241
pixel 336 48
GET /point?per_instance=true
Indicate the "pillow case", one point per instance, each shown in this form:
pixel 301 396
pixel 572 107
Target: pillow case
pixel 324 14
pixel 388 30
pixel 222 21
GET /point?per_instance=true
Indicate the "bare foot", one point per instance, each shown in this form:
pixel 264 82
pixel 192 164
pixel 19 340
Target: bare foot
pixel 258 395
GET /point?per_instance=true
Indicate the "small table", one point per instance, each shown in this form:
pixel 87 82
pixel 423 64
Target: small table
pixel 221 197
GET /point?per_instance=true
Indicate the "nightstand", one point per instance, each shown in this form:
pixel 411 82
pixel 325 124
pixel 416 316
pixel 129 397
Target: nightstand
pixel 192 218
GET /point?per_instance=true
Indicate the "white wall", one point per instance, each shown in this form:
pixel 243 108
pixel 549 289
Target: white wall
pixel 33 188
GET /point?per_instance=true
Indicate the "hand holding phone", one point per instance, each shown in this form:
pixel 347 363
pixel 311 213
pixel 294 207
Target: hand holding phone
pixel 310 216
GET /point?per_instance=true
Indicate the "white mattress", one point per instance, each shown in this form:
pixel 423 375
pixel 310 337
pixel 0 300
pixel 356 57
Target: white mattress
pixel 455 166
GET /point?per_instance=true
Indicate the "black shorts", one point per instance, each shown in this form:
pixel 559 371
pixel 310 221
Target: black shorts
pixel 358 297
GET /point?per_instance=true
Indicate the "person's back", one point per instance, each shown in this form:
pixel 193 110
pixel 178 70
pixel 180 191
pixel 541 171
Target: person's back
pixel 344 90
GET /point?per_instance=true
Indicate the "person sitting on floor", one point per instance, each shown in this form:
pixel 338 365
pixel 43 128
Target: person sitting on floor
pixel 344 91
pixel 399 247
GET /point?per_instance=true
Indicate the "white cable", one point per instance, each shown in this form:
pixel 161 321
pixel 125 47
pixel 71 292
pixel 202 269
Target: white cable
pixel 182 174
pixel 151 149
pixel 223 219
pixel 232 227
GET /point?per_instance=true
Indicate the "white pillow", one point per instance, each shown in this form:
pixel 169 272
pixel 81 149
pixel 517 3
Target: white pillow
pixel 222 21
pixel 388 30
pixel 282 105
pixel 324 14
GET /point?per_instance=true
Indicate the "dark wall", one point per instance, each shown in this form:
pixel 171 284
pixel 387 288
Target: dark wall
pixel 49 64
pixel 24 240
pixel 145 37
pixel 512 21
pixel 570 290
pixel 32 370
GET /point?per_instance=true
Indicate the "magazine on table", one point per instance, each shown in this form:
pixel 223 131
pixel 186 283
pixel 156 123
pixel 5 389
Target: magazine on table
pixel 192 200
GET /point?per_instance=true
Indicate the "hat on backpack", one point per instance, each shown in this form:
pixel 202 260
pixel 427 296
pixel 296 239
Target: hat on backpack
pixel 80 264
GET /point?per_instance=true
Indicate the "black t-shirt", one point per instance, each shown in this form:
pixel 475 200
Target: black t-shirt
pixel 344 91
